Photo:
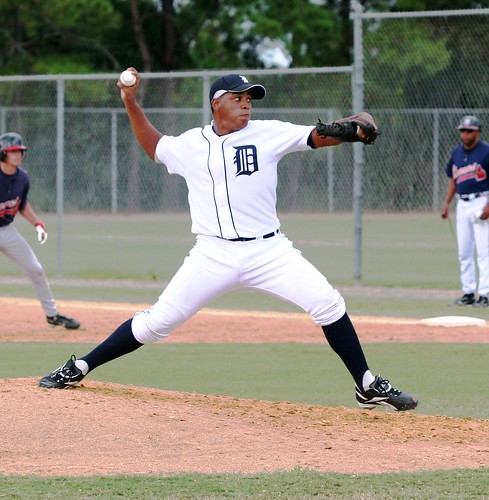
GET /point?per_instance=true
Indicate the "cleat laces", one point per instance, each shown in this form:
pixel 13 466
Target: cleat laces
pixel 65 373
pixel 386 388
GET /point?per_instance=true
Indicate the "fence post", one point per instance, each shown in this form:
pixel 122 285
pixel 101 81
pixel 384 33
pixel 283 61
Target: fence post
pixel 60 145
pixel 206 107
pixel 3 121
pixel 436 159
pixel 113 157
pixel 330 163
pixel 358 89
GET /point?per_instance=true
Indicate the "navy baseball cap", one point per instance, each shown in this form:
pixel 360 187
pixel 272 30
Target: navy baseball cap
pixel 469 122
pixel 236 83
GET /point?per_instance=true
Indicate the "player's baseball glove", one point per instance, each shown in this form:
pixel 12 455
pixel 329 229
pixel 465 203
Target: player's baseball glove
pixel 346 129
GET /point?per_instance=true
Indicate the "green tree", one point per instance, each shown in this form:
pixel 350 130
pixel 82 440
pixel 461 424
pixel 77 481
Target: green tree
pixel 81 36
pixel 56 36
pixel 85 36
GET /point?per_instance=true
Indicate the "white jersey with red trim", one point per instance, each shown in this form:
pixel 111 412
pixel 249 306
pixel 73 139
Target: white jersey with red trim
pixel 232 179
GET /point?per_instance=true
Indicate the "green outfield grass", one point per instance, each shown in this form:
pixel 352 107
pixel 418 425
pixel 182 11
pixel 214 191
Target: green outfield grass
pixel 446 377
pixel 408 252
pixel 454 484
pixel 402 250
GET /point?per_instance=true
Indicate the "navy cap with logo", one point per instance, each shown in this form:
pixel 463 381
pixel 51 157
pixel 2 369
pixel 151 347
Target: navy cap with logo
pixel 469 122
pixel 236 83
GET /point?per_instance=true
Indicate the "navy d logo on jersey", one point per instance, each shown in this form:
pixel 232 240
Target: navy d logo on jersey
pixel 246 160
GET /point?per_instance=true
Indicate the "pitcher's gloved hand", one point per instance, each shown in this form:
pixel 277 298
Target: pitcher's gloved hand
pixel 361 127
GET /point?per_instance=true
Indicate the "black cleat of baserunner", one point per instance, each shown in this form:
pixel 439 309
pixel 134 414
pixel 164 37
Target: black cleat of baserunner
pixel 466 299
pixel 60 320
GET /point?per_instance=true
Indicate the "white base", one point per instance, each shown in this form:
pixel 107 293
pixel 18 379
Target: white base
pixel 453 321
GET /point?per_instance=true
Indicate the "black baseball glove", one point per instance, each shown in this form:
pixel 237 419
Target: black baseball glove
pixel 348 129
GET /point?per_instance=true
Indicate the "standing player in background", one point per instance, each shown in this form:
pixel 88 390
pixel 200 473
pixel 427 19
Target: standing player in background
pixel 14 186
pixel 230 168
pixel 467 171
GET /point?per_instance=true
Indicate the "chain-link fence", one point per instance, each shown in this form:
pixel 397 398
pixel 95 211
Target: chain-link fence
pixel 418 73
pixel 77 131
pixel 423 71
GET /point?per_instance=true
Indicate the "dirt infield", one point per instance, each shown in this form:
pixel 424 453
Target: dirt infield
pixel 22 321
pixel 107 429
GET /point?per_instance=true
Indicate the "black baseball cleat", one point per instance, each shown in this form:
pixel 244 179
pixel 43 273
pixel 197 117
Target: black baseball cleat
pixel 381 393
pixel 465 300
pixel 59 319
pixel 483 301
pixel 65 376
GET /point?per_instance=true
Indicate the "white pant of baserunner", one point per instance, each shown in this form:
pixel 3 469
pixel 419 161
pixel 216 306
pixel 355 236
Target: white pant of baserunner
pixel 216 266
pixel 473 235
pixel 14 246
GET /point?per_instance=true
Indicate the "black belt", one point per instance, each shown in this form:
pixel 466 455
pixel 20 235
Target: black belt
pixel 471 196
pixel 264 237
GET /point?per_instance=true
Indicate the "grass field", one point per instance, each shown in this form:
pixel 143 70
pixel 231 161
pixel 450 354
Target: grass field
pixel 131 258
pixel 399 250
pixel 449 485
pixel 300 373
pixel 413 252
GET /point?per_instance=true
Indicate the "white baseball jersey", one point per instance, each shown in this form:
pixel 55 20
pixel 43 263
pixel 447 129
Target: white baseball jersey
pixel 232 179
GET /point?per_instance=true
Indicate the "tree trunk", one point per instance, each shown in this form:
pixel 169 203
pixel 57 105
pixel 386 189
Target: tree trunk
pixel 170 58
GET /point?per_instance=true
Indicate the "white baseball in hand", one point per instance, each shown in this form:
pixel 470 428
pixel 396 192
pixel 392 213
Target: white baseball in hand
pixel 127 78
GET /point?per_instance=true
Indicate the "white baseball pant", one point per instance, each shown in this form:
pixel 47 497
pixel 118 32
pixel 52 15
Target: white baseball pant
pixel 216 266
pixel 473 234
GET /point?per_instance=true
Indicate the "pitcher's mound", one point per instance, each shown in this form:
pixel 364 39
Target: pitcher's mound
pixel 453 321
pixel 102 429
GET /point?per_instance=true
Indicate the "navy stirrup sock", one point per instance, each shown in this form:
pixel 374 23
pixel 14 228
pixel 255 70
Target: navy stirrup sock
pixel 343 339
pixel 121 342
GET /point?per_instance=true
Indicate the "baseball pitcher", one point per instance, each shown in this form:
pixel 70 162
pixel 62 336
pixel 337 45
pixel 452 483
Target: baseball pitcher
pixel 230 167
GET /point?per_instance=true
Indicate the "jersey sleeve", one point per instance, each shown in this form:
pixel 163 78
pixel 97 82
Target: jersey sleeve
pixel 448 167
pixel 485 161
pixel 287 137
pixel 174 151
